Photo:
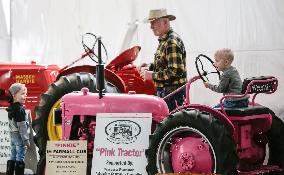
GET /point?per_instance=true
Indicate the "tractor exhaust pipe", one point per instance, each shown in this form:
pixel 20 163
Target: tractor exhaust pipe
pixel 100 78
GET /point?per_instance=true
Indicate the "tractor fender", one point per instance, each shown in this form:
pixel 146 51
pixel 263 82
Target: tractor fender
pixel 220 116
pixel 109 75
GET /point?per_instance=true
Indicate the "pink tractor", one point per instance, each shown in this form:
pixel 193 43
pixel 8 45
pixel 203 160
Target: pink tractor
pixel 192 138
pixel 201 139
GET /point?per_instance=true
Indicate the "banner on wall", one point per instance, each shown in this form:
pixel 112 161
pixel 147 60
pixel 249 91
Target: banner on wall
pixel 120 143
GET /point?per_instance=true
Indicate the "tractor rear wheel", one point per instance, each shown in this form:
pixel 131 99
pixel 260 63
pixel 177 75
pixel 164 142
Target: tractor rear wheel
pixel 191 141
pixel 50 100
pixel 275 143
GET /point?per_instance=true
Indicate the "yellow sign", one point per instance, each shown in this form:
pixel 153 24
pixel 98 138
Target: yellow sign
pixel 25 79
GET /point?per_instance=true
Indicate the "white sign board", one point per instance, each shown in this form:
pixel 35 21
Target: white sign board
pixel 5 149
pixel 120 143
pixel 31 157
pixel 66 157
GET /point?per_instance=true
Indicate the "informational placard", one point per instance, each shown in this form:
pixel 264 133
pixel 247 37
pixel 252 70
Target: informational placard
pixel 5 149
pixel 120 143
pixel 31 157
pixel 66 157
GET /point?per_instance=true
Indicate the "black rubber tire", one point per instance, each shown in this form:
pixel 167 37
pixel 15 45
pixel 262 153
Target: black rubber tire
pixel 66 84
pixel 276 143
pixel 41 166
pixel 222 143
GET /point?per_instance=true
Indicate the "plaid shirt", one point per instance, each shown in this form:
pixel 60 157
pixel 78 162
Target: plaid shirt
pixel 169 65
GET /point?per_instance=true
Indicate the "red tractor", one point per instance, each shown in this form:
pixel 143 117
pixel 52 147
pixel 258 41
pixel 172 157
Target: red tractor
pixel 36 77
pixel 41 79
pixel 193 138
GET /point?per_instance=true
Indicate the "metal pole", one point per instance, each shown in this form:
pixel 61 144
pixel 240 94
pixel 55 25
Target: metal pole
pixel 99 50
pixel 100 70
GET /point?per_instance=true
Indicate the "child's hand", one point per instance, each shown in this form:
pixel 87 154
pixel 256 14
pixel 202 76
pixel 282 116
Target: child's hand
pixel 206 84
pixel 27 143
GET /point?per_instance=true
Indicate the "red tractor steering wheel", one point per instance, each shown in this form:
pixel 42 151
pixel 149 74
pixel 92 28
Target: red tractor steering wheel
pixel 91 39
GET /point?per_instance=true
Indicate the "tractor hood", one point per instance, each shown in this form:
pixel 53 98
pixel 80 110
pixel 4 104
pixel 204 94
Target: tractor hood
pixel 86 103
pixel 125 58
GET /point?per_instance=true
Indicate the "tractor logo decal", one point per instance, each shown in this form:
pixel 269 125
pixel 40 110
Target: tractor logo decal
pixel 25 78
pixel 122 131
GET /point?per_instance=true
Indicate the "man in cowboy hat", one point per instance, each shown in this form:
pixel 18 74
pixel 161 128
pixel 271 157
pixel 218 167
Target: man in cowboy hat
pixel 168 71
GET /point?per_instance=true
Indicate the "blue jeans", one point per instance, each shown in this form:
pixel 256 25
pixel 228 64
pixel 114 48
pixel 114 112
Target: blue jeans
pixel 234 104
pixel 171 101
pixel 18 149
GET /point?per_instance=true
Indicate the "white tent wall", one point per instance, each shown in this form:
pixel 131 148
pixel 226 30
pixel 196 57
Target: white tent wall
pixel 5 42
pixel 50 32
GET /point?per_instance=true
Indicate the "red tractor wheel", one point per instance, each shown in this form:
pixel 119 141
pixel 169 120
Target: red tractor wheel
pixel 191 141
pixel 43 124
pixel 41 166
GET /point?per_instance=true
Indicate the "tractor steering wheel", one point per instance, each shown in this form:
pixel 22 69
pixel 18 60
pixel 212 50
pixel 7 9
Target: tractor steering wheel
pixel 91 39
pixel 200 67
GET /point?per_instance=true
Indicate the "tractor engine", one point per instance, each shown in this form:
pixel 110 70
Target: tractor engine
pixel 79 110
pixel 36 77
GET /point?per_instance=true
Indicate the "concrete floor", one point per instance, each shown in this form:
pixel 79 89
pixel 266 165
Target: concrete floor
pixel 27 172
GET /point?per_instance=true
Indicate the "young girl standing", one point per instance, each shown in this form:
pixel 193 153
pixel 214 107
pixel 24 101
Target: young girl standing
pixel 18 127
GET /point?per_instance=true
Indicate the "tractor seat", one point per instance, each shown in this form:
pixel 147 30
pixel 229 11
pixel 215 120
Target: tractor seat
pixel 253 85
pixel 248 111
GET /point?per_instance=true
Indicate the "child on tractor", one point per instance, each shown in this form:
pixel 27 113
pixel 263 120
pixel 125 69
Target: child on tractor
pixel 230 81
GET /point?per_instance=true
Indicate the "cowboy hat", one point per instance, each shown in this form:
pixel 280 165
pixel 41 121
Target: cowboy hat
pixel 158 13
